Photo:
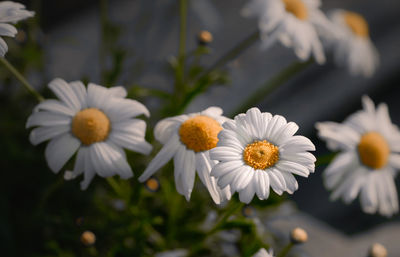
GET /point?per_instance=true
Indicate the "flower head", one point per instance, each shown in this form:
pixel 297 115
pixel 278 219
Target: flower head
pixel 187 139
pixel 258 151
pixel 292 22
pixel 10 12
pixel 369 146
pixel 351 44
pixel 96 122
pixel 263 253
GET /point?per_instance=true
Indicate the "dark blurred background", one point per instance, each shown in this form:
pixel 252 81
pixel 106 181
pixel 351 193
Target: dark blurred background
pixel 132 40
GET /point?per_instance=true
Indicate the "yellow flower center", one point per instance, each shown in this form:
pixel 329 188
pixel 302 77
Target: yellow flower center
pixel 373 150
pixel 261 154
pixel 90 126
pixel 200 133
pixel 297 8
pixel 357 24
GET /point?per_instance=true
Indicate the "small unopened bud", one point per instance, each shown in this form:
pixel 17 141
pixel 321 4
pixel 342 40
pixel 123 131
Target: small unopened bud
pixel 298 236
pixel 248 211
pixel 88 238
pixel 152 184
pixel 377 250
pixel 204 37
pixel 21 36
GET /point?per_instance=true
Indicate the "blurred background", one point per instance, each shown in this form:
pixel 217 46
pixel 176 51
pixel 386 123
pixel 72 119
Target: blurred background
pixel 129 42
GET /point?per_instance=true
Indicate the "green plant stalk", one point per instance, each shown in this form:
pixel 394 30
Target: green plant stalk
pixel 227 57
pixel 180 72
pixel 273 83
pixel 103 5
pixel 228 212
pixel 21 79
pixel 285 250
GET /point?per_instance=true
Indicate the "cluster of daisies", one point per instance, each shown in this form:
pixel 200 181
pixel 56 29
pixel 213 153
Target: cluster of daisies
pixel 249 154
pixel 301 25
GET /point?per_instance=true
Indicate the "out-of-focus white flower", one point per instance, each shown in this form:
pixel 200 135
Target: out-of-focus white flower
pixel 97 122
pixel 292 22
pixel 263 253
pixel 173 253
pixel 10 12
pixel 258 151
pixel 351 45
pixel 370 146
pixel 188 139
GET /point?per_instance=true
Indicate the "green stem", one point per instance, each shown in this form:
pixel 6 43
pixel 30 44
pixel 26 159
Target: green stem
pixel 272 84
pixel 115 186
pixel 325 159
pixel 180 73
pixel 182 30
pixel 228 212
pixel 21 79
pixel 230 55
pixel 285 250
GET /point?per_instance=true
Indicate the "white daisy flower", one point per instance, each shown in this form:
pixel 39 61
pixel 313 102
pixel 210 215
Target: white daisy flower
pixel 351 45
pixel 10 12
pixel 263 253
pixel 257 150
pixel 187 139
pixel 96 122
pixel 369 146
pixel 292 22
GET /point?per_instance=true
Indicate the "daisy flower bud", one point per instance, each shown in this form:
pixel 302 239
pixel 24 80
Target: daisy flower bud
pixel 88 238
pixel 377 250
pixel 204 37
pixel 298 236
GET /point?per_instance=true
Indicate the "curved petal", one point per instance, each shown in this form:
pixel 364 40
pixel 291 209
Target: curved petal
pixel 41 134
pixel 55 106
pixel 60 150
pixel 48 119
pixel 166 127
pixel 203 166
pixel 165 154
pixel 65 93
pixel 130 134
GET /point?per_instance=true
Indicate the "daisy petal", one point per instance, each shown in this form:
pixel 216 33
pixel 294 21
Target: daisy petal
pixel 166 153
pixel 60 150
pixel 41 134
pixel 65 93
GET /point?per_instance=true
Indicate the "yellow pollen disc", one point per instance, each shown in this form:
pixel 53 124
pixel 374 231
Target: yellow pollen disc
pixel 200 133
pixel 357 24
pixel 90 126
pixel 297 8
pixel 261 154
pixel 373 150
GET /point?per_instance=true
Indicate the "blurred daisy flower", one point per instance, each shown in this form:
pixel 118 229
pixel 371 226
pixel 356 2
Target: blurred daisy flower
pixel 370 146
pixel 258 151
pixel 96 122
pixel 188 139
pixel 292 22
pixel 263 253
pixel 351 44
pixel 10 12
